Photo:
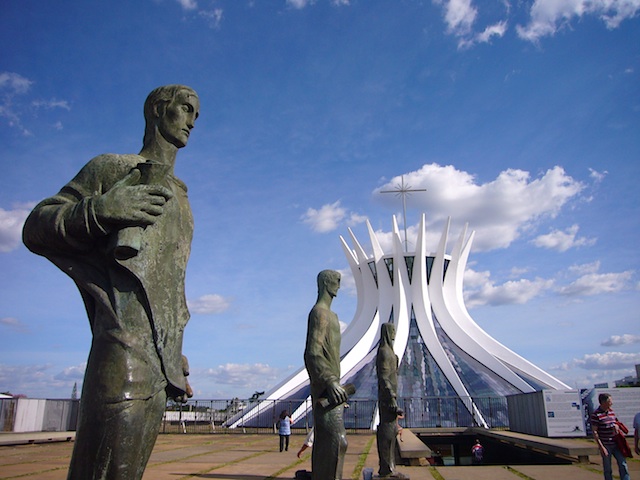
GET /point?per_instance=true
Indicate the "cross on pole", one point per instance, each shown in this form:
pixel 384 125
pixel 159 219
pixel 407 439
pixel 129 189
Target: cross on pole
pixel 404 190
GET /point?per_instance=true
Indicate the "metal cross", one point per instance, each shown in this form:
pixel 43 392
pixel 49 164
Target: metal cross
pixel 404 190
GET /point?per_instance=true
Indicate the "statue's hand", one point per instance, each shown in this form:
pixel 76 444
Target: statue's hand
pixel 127 203
pixel 336 394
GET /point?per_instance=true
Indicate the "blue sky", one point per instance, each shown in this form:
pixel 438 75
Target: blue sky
pixel 521 118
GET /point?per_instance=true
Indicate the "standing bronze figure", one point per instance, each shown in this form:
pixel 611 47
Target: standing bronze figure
pixel 122 229
pixel 322 359
pixel 387 371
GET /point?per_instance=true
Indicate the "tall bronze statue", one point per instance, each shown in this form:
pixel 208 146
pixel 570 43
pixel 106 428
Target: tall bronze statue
pixel 322 359
pixel 122 229
pixel 387 371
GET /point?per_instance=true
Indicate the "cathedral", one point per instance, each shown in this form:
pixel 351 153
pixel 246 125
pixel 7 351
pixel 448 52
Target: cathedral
pixel 449 368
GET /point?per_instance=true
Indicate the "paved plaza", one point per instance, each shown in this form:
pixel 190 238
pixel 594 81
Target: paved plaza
pixel 256 457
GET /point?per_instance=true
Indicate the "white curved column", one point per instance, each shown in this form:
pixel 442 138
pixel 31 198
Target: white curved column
pixel 453 289
pixel 445 306
pixel 426 327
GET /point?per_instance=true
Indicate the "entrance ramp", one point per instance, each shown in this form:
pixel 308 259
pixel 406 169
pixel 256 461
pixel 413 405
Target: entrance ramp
pixel 412 450
pixel 573 449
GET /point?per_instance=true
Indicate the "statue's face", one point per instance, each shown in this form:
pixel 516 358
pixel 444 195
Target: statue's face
pixel 333 285
pixel 179 118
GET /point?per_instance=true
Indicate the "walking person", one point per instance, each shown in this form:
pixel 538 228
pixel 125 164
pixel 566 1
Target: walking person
pixel 284 430
pixel 603 425
pixel 308 443
pixel 477 453
pixel 636 433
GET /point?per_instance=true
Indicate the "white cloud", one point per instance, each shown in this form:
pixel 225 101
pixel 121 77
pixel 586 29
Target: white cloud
pixel 616 340
pixel 37 381
pixel 585 268
pixel 14 84
pixel 347 282
pixel 214 17
pixel 326 219
pixel 597 176
pixel 13 104
pixel 594 283
pixel 11 222
pixel 501 209
pixel 11 85
pixel 72 374
pixel 329 217
pixel 548 16
pixel 257 375
pixel 459 15
pixel 481 290
pixel 50 104
pixel 496 30
pixel 518 271
pixel 188 4
pixel 208 304
pixel 608 360
pixel 299 4
pixel 563 240
pixel 14 324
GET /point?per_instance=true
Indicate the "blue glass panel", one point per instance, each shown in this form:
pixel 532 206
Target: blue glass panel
pixel 389 263
pixel 429 267
pixel 479 380
pixel 374 271
pixel 409 262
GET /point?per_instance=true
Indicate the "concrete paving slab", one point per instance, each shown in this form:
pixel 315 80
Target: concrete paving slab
pixel 256 457
pixel 484 472
pixel 561 472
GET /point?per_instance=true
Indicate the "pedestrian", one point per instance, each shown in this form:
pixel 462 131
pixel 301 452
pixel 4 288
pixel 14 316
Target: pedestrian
pixel 284 430
pixel 477 453
pixel 308 442
pixel 604 428
pixel 636 433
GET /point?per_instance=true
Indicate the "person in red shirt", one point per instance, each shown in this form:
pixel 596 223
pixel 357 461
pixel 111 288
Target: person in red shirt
pixel 477 453
pixel 604 428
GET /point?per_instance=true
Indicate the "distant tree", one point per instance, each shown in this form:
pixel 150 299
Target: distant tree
pixel 74 392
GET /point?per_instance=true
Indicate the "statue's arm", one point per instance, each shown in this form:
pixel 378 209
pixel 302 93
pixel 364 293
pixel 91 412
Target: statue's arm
pixel 67 221
pixel 105 196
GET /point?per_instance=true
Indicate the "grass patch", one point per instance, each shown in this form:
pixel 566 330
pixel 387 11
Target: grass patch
pixel 435 473
pixel 362 458
pixel 517 473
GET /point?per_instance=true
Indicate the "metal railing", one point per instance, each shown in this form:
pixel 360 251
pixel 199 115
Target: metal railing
pixel 260 416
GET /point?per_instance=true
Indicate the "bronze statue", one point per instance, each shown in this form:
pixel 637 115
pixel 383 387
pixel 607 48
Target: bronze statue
pixel 122 229
pixel 322 359
pixel 387 371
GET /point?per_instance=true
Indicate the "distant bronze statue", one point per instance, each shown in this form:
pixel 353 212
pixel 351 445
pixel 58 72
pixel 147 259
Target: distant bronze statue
pixel 387 370
pixel 122 229
pixel 322 359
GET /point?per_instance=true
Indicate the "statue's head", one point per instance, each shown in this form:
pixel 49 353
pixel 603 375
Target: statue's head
pixel 329 281
pixel 387 334
pixel 171 110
